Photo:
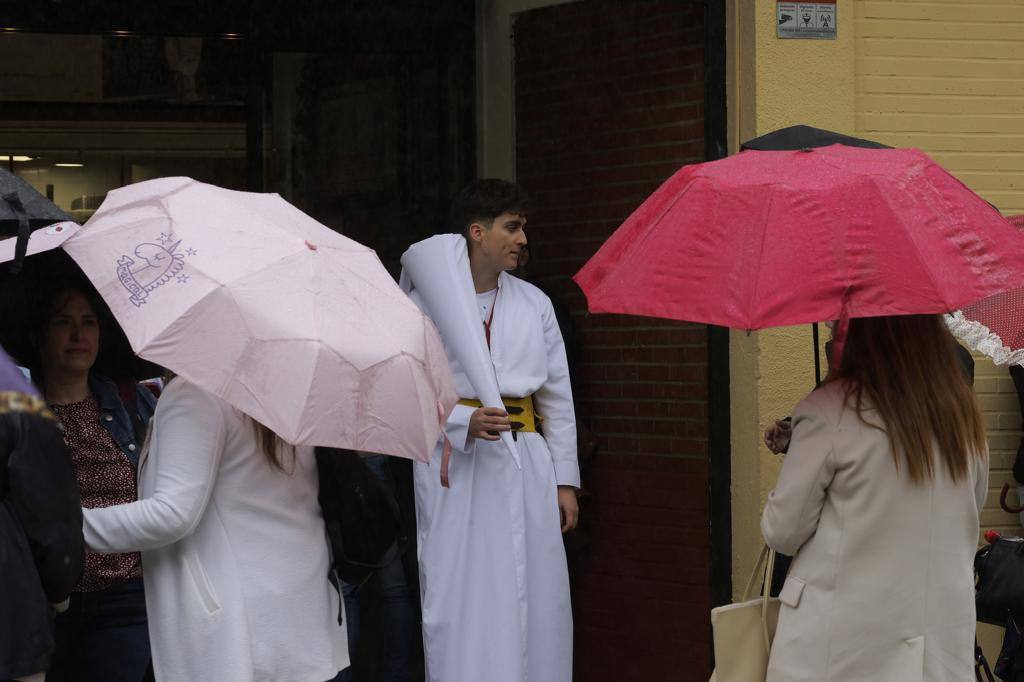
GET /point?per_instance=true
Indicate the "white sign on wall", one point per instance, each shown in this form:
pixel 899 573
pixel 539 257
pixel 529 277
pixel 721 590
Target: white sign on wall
pixel 814 20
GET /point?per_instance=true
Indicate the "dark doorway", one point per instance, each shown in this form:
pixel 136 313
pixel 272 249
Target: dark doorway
pixel 610 101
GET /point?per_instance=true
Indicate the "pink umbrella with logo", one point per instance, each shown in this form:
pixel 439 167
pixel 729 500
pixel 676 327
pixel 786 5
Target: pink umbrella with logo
pixel 290 322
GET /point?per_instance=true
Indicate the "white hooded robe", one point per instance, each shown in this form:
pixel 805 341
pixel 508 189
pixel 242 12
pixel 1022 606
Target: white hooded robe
pixel 494 582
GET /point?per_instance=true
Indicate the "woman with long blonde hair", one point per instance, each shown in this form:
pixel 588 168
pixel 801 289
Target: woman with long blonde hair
pixel 879 500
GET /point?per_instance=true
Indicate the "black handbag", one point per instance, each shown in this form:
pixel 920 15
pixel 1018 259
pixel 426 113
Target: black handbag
pixel 363 519
pixel 999 592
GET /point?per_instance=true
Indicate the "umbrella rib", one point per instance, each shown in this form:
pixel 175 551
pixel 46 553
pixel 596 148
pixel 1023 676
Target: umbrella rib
pixel 147 201
pixel 185 313
pixel 369 253
pixel 370 312
pixel 83 235
pixel 916 251
pixel 758 262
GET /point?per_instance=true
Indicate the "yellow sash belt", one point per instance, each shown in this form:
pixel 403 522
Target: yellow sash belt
pixel 520 411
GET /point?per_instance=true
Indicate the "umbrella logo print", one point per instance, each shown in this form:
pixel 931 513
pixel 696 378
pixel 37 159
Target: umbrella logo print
pixel 155 264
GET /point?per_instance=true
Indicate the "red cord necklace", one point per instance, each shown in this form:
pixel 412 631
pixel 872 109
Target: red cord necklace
pixel 490 317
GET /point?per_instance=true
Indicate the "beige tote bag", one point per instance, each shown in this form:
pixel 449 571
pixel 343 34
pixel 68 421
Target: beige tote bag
pixel 743 632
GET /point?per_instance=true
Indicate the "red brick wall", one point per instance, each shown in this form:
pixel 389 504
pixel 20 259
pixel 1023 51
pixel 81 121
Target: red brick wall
pixel 609 103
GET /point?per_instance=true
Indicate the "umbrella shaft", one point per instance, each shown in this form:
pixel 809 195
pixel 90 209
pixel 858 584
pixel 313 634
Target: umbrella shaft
pixel 817 355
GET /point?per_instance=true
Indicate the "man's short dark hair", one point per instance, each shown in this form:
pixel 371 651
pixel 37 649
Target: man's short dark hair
pixel 484 200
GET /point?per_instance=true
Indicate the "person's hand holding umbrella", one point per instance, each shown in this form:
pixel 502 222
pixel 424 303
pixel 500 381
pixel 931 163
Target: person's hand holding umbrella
pixel 777 436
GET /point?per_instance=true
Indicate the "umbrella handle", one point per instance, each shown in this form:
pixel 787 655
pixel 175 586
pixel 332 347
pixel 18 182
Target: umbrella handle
pixel 1002 501
pixel 20 246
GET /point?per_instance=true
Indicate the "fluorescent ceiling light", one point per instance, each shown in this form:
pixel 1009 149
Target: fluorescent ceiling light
pixel 16 158
pixel 69 165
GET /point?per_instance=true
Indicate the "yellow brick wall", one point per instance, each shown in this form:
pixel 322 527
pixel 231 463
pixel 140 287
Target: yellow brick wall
pixel 947 76
pixel 1003 420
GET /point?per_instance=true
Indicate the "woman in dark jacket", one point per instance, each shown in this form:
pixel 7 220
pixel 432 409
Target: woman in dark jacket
pixel 41 547
pixel 104 634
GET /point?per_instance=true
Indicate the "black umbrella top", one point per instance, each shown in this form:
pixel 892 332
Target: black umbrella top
pixel 806 137
pixel 23 209
pixel 39 210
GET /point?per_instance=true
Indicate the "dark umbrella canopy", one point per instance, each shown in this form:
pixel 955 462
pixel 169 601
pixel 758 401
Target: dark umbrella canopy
pixel 27 296
pixel 23 209
pixel 806 137
pixel 26 304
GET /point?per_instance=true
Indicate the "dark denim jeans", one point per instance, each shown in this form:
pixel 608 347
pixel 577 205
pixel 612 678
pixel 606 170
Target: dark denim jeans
pixel 102 637
pixel 397 600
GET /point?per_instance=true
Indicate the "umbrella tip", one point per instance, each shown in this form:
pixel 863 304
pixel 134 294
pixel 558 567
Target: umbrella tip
pixel 310 245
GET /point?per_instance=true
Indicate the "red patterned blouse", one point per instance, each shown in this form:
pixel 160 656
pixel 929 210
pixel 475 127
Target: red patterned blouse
pixel 105 478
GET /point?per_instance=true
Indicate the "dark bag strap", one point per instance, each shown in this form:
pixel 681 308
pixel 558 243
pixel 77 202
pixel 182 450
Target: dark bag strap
pixel 981 665
pixel 129 393
pixel 24 230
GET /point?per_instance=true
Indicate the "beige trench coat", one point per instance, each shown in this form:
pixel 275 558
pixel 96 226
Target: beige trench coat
pixel 881 588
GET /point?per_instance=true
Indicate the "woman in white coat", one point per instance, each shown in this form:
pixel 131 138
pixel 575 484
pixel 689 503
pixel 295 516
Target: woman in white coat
pixel 233 548
pixel 879 499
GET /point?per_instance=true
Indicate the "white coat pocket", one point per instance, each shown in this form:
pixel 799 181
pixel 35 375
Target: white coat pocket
pixel 207 597
pixel 792 589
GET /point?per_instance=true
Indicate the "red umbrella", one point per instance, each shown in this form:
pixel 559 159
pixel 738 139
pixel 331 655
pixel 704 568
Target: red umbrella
pixel 767 238
pixel 994 326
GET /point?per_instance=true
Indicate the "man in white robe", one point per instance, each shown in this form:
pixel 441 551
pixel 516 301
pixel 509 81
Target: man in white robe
pixel 494 582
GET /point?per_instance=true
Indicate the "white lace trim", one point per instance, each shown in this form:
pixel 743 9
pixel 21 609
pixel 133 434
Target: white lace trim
pixel 980 338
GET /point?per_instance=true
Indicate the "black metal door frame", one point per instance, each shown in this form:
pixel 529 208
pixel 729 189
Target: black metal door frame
pixel 719 422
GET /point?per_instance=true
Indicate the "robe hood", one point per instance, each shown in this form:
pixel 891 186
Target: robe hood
pixel 437 268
